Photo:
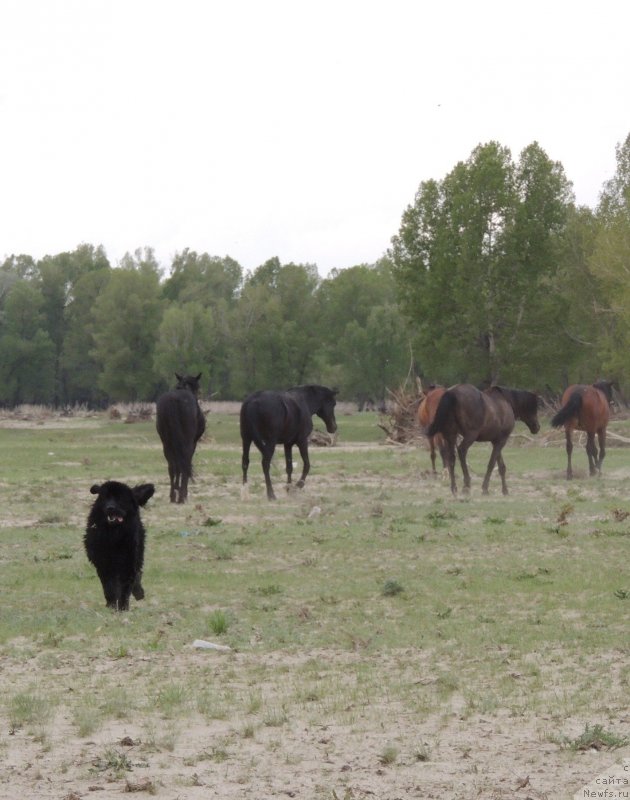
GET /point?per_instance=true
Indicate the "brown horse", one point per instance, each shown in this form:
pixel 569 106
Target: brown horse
pixel 481 417
pixel 586 408
pixel 426 413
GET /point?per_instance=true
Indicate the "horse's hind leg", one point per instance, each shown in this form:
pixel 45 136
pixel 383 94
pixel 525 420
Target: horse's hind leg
pixel 266 465
pixel 591 452
pixel 183 487
pixel 569 440
pixel 245 459
pixel 172 476
pixel 432 449
pixel 601 436
pixel 462 450
pixel 449 455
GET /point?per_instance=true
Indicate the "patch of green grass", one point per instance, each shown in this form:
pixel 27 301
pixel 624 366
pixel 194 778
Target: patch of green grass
pixel 594 737
pixel 391 588
pixel 495 616
pixel 29 709
pixel 218 622
pixel 388 756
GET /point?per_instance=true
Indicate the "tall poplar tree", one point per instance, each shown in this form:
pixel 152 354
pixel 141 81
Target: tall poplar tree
pixel 473 260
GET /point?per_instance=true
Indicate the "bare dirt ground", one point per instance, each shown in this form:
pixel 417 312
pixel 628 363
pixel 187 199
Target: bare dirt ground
pixel 373 747
pixel 453 755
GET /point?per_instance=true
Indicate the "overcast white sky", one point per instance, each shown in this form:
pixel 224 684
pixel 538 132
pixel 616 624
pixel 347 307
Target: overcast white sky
pixel 260 128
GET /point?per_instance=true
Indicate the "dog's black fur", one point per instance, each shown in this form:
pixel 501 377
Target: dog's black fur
pixel 114 540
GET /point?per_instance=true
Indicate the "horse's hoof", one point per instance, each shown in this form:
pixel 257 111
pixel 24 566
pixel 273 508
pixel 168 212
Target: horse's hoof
pixel 300 484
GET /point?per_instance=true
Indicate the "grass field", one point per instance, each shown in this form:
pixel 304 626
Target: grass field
pixel 386 640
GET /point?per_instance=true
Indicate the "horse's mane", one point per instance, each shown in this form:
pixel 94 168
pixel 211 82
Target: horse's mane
pixel 606 388
pixel 520 399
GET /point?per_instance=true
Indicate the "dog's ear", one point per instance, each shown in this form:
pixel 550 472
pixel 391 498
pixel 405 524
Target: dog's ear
pixel 95 489
pixel 143 492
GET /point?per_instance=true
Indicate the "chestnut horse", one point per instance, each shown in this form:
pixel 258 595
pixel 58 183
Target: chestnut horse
pixel 586 408
pixel 481 417
pixel 426 413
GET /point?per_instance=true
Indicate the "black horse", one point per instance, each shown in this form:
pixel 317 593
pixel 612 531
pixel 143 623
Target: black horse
pixel 180 424
pixel 479 416
pixel 271 418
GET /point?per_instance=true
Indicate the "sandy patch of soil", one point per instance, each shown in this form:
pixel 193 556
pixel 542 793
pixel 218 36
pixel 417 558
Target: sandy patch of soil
pixel 375 748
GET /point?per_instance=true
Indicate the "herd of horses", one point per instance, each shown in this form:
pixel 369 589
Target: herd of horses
pixel 452 419
pixel 267 419
pixel 455 418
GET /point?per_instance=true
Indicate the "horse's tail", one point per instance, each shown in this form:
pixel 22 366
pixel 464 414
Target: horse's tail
pixel 443 413
pixel 569 410
pixel 249 429
pixel 173 435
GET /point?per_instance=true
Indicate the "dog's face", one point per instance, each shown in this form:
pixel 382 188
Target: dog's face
pixel 118 502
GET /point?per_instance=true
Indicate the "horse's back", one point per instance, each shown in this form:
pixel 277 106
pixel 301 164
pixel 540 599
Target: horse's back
pixel 178 414
pixel 271 416
pixel 471 407
pixel 594 410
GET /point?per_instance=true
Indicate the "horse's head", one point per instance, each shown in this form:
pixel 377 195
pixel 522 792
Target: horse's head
pixel 526 409
pixel 524 404
pixel 189 382
pixel 606 387
pixel 326 410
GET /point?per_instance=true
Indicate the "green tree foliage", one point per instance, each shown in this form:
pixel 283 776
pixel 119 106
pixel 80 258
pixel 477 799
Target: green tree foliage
pixel 610 265
pixel 26 349
pixel 474 258
pixel 127 315
pixel 203 279
pixel 274 330
pixel 186 342
pixel 79 365
pixel 494 275
pixel 57 276
pixel 366 339
pixel 581 324
pixel 375 355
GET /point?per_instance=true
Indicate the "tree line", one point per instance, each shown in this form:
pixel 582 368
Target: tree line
pixel 495 275
pixel 75 330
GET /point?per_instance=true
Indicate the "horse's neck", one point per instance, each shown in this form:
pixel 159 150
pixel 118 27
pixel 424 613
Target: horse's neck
pixel 305 396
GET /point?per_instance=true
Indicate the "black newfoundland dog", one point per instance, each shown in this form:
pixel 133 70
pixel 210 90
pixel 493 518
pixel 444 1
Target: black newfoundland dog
pixel 114 540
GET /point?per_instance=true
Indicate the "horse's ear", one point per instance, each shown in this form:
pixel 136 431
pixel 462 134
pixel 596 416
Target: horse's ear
pixel 179 377
pixel 198 378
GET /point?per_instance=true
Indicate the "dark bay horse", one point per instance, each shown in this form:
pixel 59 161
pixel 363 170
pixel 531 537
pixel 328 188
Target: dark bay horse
pixel 426 413
pixel 586 408
pixel 481 417
pixel 271 418
pixel 180 424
